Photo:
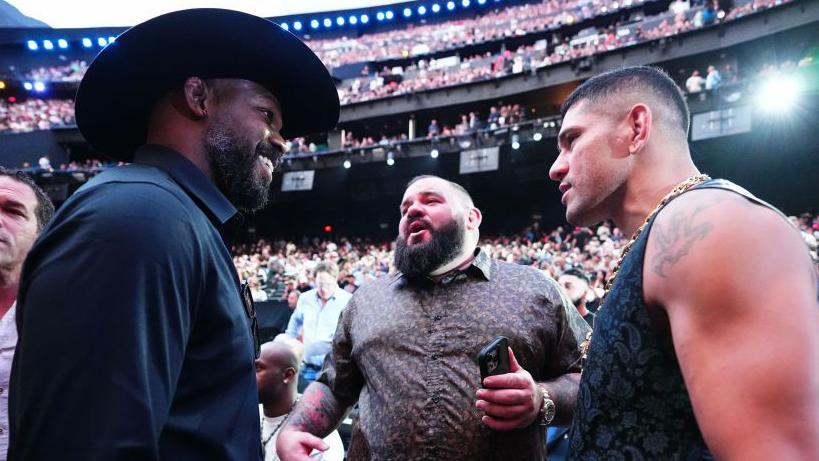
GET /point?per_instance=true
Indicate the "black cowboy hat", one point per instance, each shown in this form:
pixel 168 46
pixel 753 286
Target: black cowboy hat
pixel 131 74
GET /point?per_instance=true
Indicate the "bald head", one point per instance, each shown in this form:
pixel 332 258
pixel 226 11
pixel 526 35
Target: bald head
pixel 281 352
pixel 277 370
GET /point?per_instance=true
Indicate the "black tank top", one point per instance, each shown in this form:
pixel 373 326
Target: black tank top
pixel 632 402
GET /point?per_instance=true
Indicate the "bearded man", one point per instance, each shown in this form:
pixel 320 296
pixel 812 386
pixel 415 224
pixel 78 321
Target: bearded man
pixel 136 338
pixel 407 344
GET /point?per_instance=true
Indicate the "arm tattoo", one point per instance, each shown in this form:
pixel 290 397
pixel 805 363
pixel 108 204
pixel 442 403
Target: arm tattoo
pixel 318 412
pixel 674 237
pixel 563 390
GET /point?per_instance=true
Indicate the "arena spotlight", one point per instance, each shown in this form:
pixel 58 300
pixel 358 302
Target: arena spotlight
pixel 32 45
pixel 422 10
pixel 436 7
pixel 365 19
pixel 102 41
pixel 86 42
pixel 515 142
pixel 481 2
pixel 111 39
pixel 2 85
pixel 389 15
pixel 39 87
pixel 353 20
pixel 537 136
pixel 433 153
pixel 347 164
pixel 407 12
pixel 297 25
pixel 48 44
pixel 284 26
pixel 62 43
pixel 28 86
pixel 380 16
pixel 465 3
pixel 450 5
pixel 328 23
pixel 314 23
pixel 779 94
pixel 340 21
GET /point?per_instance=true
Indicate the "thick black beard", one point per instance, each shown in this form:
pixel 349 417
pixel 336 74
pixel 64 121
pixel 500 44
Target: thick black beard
pixel 234 168
pixel 419 260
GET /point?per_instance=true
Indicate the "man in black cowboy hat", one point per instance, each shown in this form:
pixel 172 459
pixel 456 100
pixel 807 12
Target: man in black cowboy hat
pixel 135 340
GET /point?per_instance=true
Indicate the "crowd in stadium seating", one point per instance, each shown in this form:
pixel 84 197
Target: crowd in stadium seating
pixel 278 267
pixel 419 40
pixel 72 72
pixel 274 268
pixel 35 114
pixel 424 75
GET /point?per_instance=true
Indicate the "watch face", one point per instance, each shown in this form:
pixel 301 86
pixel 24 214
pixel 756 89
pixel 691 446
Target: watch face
pixel 549 411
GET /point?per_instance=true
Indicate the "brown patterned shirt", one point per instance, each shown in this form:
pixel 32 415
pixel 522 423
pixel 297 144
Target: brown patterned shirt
pixel 407 351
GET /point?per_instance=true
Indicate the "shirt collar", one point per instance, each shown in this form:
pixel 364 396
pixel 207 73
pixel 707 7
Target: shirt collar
pixel 481 266
pixel 192 180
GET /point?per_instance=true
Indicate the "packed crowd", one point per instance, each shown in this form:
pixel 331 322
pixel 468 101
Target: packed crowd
pixel 425 39
pixel 35 114
pixel 273 269
pixel 425 74
pixel 72 72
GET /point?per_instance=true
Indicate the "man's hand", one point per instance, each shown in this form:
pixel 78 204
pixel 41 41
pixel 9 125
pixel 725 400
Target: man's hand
pixel 510 401
pixel 293 445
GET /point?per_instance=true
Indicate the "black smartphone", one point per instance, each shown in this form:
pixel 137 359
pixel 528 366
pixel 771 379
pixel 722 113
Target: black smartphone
pixel 494 357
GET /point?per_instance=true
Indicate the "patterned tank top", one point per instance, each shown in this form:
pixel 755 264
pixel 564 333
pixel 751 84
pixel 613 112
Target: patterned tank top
pixel 632 402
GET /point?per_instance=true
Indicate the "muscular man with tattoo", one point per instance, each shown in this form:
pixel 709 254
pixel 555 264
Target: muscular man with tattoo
pixel 707 341
pixel 407 345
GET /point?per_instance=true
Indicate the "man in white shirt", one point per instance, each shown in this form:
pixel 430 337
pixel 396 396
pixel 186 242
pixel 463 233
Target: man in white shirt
pixel 24 211
pixel 695 82
pixel 315 319
pixel 276 377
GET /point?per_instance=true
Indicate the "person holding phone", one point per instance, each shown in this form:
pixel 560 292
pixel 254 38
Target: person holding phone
pixel 407 349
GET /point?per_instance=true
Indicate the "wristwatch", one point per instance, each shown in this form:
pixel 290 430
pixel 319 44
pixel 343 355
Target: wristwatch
pixel 547 406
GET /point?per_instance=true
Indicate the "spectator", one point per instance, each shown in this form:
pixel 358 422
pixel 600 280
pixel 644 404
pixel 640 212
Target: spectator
pixel 695 82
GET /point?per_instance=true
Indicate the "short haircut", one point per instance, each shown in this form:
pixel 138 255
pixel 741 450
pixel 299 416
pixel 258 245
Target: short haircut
pixel 576 272
pixel 642 79
pixel 328 267
pixel 458 188
pixel 45 209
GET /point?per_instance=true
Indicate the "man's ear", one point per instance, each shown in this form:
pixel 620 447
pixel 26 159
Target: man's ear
pixel 289 374
pixel 197 97
pixel 473 218
pixel 639 121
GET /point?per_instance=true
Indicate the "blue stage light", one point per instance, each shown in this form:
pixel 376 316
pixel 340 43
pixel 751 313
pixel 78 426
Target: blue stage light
pixel 422 10
pixel 328 23
pixel 39 87
pixel 481 2
pixel 365 19
pixel 102 41
pixel 111 39
pixel 352 20
pixel 32 45
pixel 86 42
pixel 47 44
pixel 436 8
pixel 450 5
pixel 28 86
pixel 340 21
pixel 284 26
pixel 62 43
pixel 465 3
pixel 389 15
pixel 407 12
pixel 380 16
pixel 314 23
pixel 297 25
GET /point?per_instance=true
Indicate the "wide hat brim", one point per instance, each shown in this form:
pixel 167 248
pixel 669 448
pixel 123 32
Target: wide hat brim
pixel 129 76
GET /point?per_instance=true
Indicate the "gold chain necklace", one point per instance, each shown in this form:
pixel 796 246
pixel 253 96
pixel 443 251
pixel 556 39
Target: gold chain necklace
pixel 679 189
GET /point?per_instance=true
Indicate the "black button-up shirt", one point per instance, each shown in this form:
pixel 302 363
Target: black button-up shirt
pixel 134 342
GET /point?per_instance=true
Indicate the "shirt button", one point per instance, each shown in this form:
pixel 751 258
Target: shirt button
pixel 435 399
pixel 437 317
